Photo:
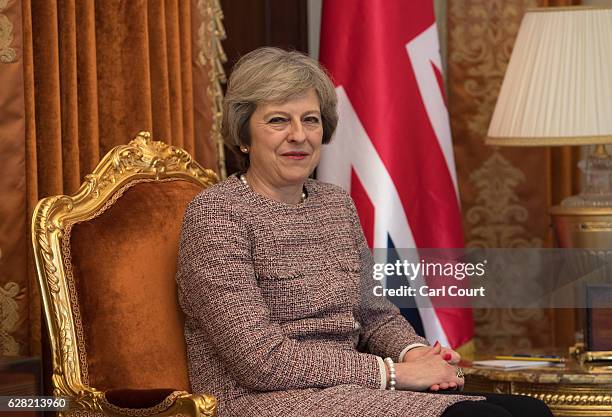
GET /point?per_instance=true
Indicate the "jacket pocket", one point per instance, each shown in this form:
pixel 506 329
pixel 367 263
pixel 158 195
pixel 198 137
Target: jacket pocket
pixel 287 293
pixel 336 288
pixel 348 263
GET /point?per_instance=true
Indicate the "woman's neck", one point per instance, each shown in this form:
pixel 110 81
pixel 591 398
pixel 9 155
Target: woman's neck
pixel 290 194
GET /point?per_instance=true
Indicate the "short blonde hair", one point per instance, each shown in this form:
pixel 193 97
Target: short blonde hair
pixel 272 74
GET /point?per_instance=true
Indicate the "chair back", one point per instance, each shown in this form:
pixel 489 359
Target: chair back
pixel 106 260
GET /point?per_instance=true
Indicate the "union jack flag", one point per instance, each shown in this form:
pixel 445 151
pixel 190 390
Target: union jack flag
pixel 392 149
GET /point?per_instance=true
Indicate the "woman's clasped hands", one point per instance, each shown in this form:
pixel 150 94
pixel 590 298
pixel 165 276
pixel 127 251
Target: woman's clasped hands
pixel 429 367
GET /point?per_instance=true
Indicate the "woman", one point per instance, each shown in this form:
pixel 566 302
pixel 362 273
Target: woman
pixel 271 272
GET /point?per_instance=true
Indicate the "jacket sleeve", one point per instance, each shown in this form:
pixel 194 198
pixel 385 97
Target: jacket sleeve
pixel 218 291
pixel 385 332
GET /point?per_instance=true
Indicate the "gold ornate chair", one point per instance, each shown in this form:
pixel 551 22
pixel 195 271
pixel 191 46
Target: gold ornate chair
pixel 106 259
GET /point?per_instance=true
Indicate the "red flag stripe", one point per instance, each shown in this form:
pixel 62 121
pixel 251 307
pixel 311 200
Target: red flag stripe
pixel 364 44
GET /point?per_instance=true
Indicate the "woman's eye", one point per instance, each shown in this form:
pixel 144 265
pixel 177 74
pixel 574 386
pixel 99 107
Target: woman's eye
pixel 311 119
pixel 277 120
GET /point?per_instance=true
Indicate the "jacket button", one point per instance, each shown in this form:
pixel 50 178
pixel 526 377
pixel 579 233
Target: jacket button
pixel 356 325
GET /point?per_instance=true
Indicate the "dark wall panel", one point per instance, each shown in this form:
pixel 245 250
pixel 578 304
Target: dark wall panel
pixel 250 24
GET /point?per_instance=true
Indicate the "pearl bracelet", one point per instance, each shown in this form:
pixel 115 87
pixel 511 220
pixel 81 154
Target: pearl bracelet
pixel 392 381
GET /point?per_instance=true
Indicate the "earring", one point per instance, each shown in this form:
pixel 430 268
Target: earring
pixel 244 149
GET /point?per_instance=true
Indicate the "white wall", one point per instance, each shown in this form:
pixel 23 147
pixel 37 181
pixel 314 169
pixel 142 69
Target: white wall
pixel 314 27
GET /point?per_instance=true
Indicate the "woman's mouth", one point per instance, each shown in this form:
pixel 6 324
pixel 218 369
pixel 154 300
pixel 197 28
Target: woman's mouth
pixel 295 155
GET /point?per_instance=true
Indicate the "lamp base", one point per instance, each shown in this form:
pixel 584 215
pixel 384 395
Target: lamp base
pixel 587 228
pixel 583 227
pixel 597 168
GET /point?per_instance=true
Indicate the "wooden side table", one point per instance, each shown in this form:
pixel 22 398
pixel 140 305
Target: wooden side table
pixel 569 389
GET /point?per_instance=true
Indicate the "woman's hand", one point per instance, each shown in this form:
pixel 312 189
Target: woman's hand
pixel 447 354
pixel 429 364
pixel 428 372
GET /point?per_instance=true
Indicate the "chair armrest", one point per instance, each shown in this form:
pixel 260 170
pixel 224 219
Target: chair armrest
pixel 150 402
pixel 137 398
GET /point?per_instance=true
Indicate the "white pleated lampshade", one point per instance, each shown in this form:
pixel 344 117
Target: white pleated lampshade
pixel 558 86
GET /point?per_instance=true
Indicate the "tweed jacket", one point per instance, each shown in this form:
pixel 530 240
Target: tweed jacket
pixel 278 317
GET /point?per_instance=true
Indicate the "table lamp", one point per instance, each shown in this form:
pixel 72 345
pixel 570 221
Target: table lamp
pixel 558 91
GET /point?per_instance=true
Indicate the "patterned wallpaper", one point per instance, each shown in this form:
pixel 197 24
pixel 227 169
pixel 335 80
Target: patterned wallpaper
pixel 502 204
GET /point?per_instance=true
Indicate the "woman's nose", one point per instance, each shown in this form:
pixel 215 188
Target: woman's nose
pixel 297 133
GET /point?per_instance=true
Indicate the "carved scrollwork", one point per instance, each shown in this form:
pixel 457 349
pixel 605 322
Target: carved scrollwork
pixel 43 229
pixel 178 403
pixel 571 399
pixel 141 160
pixel 90 401
pixel 207 404
pixel 143 156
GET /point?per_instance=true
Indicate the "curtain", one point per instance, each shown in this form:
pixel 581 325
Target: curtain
pixel 87 76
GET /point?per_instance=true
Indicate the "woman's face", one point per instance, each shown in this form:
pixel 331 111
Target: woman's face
pixel 286 140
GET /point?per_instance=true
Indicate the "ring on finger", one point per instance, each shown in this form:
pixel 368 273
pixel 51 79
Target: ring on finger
pixel 460 373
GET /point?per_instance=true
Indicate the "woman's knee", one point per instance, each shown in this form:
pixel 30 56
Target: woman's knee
pixel 529 406
pixel 475 409
pixel 499 405
pixel 520 405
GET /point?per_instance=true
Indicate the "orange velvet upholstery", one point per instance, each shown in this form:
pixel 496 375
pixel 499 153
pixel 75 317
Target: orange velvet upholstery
pixel 124 265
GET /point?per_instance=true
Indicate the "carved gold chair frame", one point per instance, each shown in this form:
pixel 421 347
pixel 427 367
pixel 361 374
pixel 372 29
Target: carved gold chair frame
pixel 141 159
